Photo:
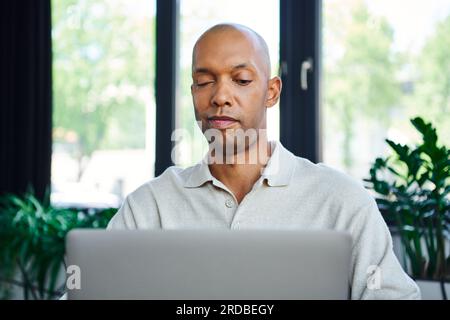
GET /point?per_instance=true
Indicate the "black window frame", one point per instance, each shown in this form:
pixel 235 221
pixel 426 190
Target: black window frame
pixel 167 17
pixel 300 44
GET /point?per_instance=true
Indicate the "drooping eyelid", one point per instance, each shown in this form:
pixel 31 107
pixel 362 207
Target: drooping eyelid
pixel 202 78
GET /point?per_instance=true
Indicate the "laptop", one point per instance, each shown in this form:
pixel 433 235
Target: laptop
pixel 210 264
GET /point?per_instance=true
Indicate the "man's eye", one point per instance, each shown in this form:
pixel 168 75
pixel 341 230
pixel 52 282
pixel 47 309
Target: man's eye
pixel 243 82
pixel 202 84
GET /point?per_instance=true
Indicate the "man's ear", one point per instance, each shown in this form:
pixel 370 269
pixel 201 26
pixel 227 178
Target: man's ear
pixel 273 91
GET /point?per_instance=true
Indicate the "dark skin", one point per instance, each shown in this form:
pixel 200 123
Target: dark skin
pixel 231 77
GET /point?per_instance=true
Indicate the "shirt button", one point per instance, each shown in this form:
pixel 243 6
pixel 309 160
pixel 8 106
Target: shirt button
pixel 229 203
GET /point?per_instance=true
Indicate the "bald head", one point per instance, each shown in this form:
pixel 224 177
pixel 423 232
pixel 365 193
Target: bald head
pixel 231 84
pixel 241 32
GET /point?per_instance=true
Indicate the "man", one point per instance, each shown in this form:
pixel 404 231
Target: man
pixel 256 183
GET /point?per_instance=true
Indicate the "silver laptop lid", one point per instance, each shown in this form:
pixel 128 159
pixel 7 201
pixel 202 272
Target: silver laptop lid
pixel 208 264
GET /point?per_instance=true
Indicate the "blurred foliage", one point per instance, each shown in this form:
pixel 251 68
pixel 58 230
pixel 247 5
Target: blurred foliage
pixel 32 243
pixel 360 82
pixel 413 188
pixel 103 58
pixel 367 79
pixel 432 90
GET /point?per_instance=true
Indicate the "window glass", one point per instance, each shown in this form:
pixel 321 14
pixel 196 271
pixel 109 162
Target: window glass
pixel 103 99
pixel 384 62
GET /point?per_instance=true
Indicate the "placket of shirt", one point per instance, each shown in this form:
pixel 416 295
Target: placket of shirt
pixel 231 204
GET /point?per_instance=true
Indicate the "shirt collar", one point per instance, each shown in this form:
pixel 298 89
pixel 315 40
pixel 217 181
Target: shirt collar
pixel 278 171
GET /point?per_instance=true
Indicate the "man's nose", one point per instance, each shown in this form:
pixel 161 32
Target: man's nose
pixel 222 95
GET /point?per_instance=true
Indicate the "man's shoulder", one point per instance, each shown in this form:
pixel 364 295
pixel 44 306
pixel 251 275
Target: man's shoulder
pixel 343 196
pixel 140 207
pixel 173 176
pixel 166 182
pixel 324 173
pixel 331 181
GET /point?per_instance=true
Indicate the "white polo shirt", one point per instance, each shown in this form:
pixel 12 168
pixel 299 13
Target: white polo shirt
pixel 292 193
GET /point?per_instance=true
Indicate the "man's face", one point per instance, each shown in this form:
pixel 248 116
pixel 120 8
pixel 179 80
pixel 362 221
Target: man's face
pixel 231 87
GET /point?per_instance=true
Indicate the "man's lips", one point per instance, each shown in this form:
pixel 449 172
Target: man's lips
pixel 221 122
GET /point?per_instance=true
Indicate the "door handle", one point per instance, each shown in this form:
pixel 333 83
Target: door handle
pixel 307 66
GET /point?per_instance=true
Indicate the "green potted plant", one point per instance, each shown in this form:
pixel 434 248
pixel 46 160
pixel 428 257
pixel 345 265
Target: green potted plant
pixel 412 191
pixel 32 244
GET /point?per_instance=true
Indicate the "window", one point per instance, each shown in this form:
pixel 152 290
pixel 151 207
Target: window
pixel 384 62
pixel 104 110
pixel 197 16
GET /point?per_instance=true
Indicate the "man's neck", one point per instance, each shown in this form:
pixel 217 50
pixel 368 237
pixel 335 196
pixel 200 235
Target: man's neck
pixel 240 177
